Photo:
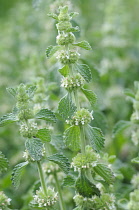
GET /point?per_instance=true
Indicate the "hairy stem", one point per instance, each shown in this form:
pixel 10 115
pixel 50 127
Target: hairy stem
pixel 76 100
pixel 82 135
pixel 61 202
pixel 42 177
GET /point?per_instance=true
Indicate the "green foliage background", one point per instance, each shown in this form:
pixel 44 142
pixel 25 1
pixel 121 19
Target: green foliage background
pixel 111 28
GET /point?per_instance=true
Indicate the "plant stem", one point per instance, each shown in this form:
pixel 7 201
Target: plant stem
pixel 61 202
pixel 82 135
pixel 76 100
pixel 42 177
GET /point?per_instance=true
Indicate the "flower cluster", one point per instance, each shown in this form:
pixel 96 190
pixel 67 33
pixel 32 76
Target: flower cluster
pixel 25 112
pixel 134 200
pixel 4 200
pixel 81 117
pixel 42 200
pixel 71 83
pixel 105 201
pixel 68 57
pixel 29 130
pixel 50 168
pixel 87 160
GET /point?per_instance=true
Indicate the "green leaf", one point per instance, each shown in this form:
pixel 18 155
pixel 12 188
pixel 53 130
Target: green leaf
pixel 73 29
pixel 135 160
pixel 51 50
pixel 100 121
pixel 53 15
pixel 90 95
pixel 120 126
pixel 61 160
pixel 66 108
pixel 3 163
pixel 34 147
pixel 17 173
pixel 12 91
pixel 46 114
pixel 31 90
pixel 44 134
pixel 7 119
pixel 83 44
pixel 64 71
pixel 85 71
pixel 105 172
pixel 68 181
pixel 72 138
pixel 95 136
pixel 129 93
pixel 73 14
pixel 85 187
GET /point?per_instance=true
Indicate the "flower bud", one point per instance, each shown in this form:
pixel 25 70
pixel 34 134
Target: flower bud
pixel 29 130
pixel 25 114
pixel 65 38
pixel 63 26
pixel 63 15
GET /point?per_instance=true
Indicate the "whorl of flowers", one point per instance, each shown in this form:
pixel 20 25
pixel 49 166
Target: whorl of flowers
pixel 4 200
pixel 71 83
pixel 42 200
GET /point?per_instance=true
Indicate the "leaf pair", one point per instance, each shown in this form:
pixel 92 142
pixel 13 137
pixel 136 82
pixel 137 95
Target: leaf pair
pixel 92 134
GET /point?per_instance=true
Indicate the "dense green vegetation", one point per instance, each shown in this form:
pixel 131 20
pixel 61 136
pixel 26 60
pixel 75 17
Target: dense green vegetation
pixel 86 153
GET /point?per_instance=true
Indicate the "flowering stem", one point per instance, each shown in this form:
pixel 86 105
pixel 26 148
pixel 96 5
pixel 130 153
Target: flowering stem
pixel 61 202
pixel 42 177
pixel 82 135
pixel 76 100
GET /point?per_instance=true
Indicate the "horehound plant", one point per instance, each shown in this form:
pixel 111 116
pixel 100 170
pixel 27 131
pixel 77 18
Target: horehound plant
pixel 35 139
pixel 133 124
pixel 92 175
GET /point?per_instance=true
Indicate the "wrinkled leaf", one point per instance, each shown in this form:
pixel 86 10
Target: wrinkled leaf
pixel 64 71
pixel 46 114
pixel 72 138
pixel 120 126
pixel 85 71
pixel 7 119
pixel 44 134
pixel 83 44
pixel 3 163
pixel 17 173
pixel 34 147
pixel 90 95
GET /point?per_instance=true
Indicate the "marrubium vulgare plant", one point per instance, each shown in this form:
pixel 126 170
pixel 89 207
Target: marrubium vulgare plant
pixel 91 175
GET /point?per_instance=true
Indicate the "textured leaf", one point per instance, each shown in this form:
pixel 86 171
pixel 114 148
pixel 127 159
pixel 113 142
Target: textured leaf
pixel 73 14
pixel 83 44
pixel 100 121
pixel 34 147
pixel 68 181
pixel 64 71
pixel 90 95
pixel 3 163
pixel 7 119
pixel 53 15
pixel 73 29
pixel 61 160
pixel 85 71
pixel 95 136
pixel 46 114
pixel 31 90
pixel 44 134
pixel 85 187
pixel 17 173
pixel 66 108
pixel 135 160
pixel 51 50
pixel 120 126
pixel 105 172
pixel 12 91
pixel 72 138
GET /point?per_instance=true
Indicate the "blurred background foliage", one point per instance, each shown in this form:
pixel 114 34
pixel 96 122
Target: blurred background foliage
pixel 112 29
